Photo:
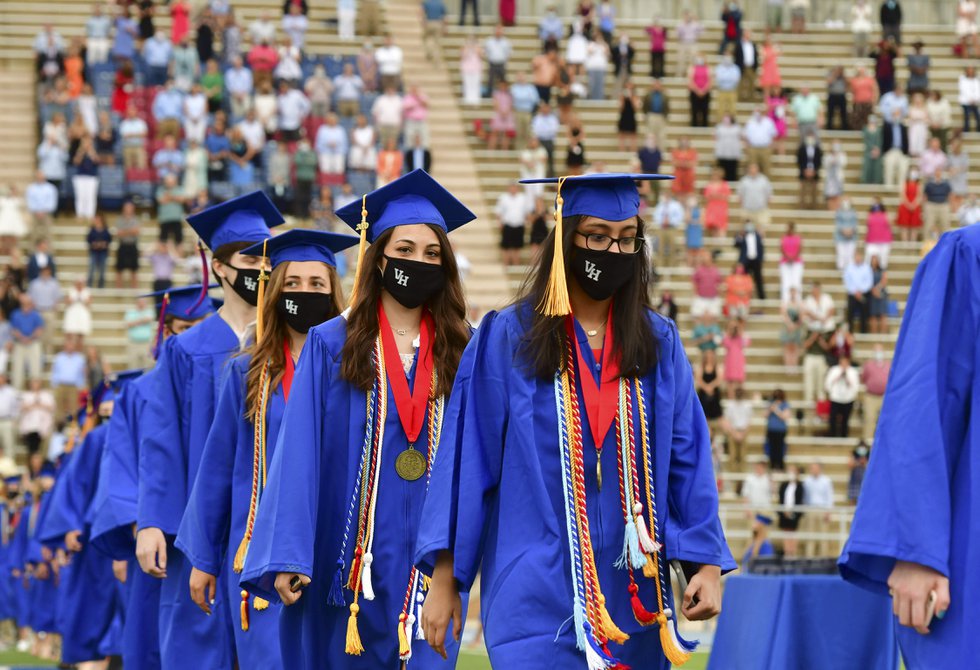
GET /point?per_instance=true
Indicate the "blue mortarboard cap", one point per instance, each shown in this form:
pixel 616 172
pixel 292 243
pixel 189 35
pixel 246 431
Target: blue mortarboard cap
pixel 47 470
pixel 246 218
pixel 182 301
pixel 612 196
pixel 120 379
pixel 12 481
pixel 301 244
pixel 413 198
pixel 763 519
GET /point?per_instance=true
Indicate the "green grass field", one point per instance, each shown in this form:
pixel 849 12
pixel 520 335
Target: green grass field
pixel 19 660
pixel 475 661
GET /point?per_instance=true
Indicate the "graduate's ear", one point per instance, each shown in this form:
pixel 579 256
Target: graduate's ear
pixel 220 270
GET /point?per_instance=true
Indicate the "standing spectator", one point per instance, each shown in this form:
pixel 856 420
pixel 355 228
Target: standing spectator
pixel 388 115
pixel 759 133
pixel 288 67
pixel 968 214
pixel 180 25
pixel 754 193
pixel 909 219
pixel 666 220
pixel 649 158
pixel 658 48
pixel 497 50
pixel 935 209
pixel 262 28
pixel 629 103
pixel 45 291
pixel 390 163
pixel 727 76
pixel 279 177
pixel 685 161
pixel 433 26
pixel 41 198
pixel 575 49
pixel 511 212
pixel 735 342
pixel 791 335
pixel 688 33
pixel 96 367
pixel 728 147
pixel 319 90
pixel 575 153
pixel 473 5
pixel 706 280
pixel 168 109
pixel 37 409
pixel 98 240
pixel 918 125
pixel 940 117
pixel 879 298
pixel 895 149
pixel 858 282
pixel 890 17
pixel 842 388
pixel 716 196
pixel 596 64
pixel 67 377
pixel 966 27
pixel 294 107
pixel 958 163
pixel 874 377
pixel 550 28
pixel 295 24
pixel 735 424
pixel 85 181
pixel 757 487
pixel 471 70
pixel 818 492
pixel 544 126
pixel 125 35
pixel 809 160
pixel 367 67
pixel 363 140
pixel 418 157
pixel 731 30
pixel 778 415
pixel 894 100
pixel 747 60
pixel 837 87
pixel 932 159
pixel 657 108
pixel 533 165
pixel 127 253
pixel 196 169
pixel 134 133
pixel 502 123
pixel 146 12
pixel 332 147
pixel 231 35
pixel 170 211
pixel 97 29
pixel 41 258
pixel 305 168
pixel 163 260
pixel 845 233
pixel 860 26
pixel 797 15
pixel 878 237
pixel 790 263
pixel 262 59
pixel 871 162
pixel 667 307
pixel 526 99
pixel 770 80
pixel 9 412
pixel 836 163
pixel 699 91
pixel 622 58
pixel 738 292
pixel 544 70
pixel 415 110
pixel 751 254
pixel 693 230
pixel 389 58
pixel 864 95
pixel 157 54
pixel 707 384
pixel 169 160
pixel 918 64
pixel 806 112
pixel 774 15
pixel 239 83
pixel 819 312
pixel 186 64
pixel 348 87
pixel 195 114
pixel 28 332
pixel 77 321
pixel 884 56
pixel 859 465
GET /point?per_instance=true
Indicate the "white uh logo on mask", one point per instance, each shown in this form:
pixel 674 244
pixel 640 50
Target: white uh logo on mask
pixel 291 307
pixel 592 271
pixel 401 277
pixel 250 283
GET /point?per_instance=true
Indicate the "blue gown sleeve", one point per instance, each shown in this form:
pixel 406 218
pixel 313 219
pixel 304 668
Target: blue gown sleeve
pixel 113 484
pixel 65 513
pixel 285 524
pixel 693 528
pixel 203 534
pixel 162 462
pixel 469 457
pixel 905 511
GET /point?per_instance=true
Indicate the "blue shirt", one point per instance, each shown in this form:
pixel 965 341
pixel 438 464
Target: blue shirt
pixel 238 80
pixel 157 52
pixel 525 97
pixel 435 10
pixel 125 33
pixel 168 161
pixel 26 323
pixel 858 278
pixel 774 423
pixel 550 27
pixel 650 159
pixel 937 192
pixel 68 369
pixel 41 197
pixel 727 76
pixel 544 126
pixel 51 160
pixel 169 104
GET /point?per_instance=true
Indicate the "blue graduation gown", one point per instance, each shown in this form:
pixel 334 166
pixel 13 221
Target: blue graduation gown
pixel 180 409
pixel 7 529
pixel 43 592
pixel 217 512
pixel 920 500
pixel 112 526
pixel 496 497
pixel 300 522
pixel 90 602
pixel 17 552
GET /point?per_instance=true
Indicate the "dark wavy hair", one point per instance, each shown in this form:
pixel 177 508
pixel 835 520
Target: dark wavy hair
pixel 448 309
pixel 543 348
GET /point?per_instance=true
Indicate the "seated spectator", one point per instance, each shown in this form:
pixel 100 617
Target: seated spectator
pixel 418 157
pixel 97 29
pixel 167 110
pixel 239 84
pixel 738 293
pixel 845 233
pixel 170 212
pixel 28 331
pixel 41 198
pixel 363 140
pixel 935 208
pixel 390 163
pixel 754 192
pixel 319 89
pixel 809 160
pixel 842 386
pixel 735 343
pixel 262 58
pixel 293 108
pixel 332 147
pixel 791 335
pixel 387 113
pixel 736 423
pixel 878 233
pixel 858 281
pixel 77 320
pixel 706 280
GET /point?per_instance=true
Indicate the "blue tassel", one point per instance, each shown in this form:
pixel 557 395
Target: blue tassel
pixel 631 556
pixel 578 615
pixel 335 597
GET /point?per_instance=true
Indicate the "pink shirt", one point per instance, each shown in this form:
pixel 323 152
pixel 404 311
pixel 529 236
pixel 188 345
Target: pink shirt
pixel 415 108
pixel 874 374
pixel 658 38
pixel 930 161
pixel 879 229
pixel 791 247
pixel 706 281
pixel 701 76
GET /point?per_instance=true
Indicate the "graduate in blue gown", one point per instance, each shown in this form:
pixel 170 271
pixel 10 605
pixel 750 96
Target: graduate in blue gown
pixel 303 290
pixel 40 564
pixel 917 522
pixel 10 508
pixel 89 603
pixel 116 499
pixel 338 517
pixel 575 460
pixel 180 409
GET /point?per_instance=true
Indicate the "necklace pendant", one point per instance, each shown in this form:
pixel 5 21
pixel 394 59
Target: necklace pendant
pixel 592 333
pixel 401 331
pixel 598 472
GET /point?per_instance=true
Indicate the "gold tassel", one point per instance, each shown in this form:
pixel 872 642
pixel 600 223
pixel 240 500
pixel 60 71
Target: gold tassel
pixel 259 321
pixel 608 626
pixel 354 646
pixel 668 642
pixel 361 250
pixel 239 563
pixel 245 611
pixel 260 604
pixel 403 647
pixel 555 302
pixel 650 569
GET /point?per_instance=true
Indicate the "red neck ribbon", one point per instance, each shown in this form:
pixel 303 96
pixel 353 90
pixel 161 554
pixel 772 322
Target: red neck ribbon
pixel 288 370
pixel 602 402
pixel 410 406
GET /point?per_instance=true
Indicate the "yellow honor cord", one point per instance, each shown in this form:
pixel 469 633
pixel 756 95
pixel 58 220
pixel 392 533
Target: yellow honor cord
pixel 361 250
pixel 555 301
pixel 263 278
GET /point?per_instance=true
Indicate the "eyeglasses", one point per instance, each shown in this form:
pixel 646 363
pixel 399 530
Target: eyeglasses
pixel 600 242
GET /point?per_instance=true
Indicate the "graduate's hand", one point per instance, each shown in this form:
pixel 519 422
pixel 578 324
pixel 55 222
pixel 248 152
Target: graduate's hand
pixel 284 587
pixel 706 587
pixel 72 543
pixel 203 587
pixel 151 552
pixel 41 571
pixel 120 571
pixel 442 605
pixel 910 585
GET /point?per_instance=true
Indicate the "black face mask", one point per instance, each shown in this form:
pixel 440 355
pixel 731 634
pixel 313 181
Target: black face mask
pixel 601 273
pixel 304 309
pixel 246 284
pixel 412 283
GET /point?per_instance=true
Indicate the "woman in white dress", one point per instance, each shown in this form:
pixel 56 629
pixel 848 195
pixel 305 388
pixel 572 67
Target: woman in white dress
pixel 471 70
pixel 195 169
pixel 576 49
pixel 78 318
pixel 918 124
pixel 363 150
pixel 966 18
pixel 267 109
pixel 835 162
pixel 12 223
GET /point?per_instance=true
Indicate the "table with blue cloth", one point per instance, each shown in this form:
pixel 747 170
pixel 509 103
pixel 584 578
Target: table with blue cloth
pixel 801 623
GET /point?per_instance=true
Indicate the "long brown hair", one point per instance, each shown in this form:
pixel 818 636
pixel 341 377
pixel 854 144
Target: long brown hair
pixel 269 347
pixel 543 347
pixel 448 308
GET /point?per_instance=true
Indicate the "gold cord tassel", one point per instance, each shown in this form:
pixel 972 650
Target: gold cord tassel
pixel 650 569
pixel 354 646
pixel 672 649
pixel 609 627
pixel 403 648
pixel 245 611
pixel 555 302
pixel 260 604
pixel 263 278
pixel 361 250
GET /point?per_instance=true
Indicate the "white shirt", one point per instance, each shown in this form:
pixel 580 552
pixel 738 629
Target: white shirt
pixel 821 319
pixel 387 110
pixel 253 132
pixel 533 163
pixel 295 26
pixel 133 131
pixel 511 209
pixel 842 385
pixel 389 60
pixel 262 30
pixel 818 491
pixel 9 402
pixel 789 495
pixel 969 90
pixel 597 56
pixel 748 53
pixel 195 107
pixel 738 413
pixel 293 108
pixel 751 248
pixel 861 18
pixel 757 490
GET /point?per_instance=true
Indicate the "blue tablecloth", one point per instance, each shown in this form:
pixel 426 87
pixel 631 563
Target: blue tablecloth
pixel 803 623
